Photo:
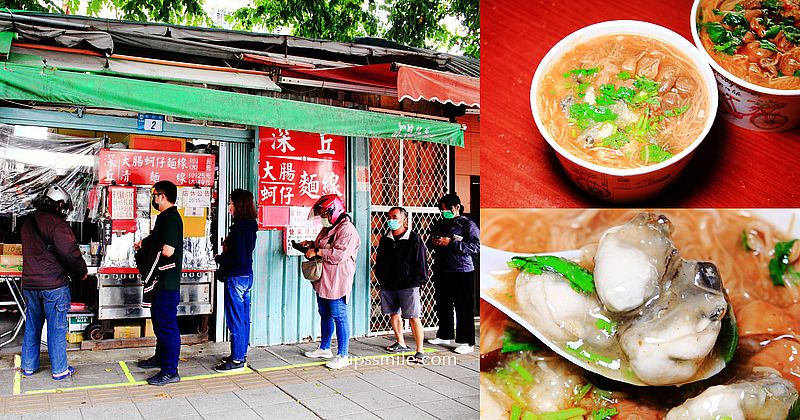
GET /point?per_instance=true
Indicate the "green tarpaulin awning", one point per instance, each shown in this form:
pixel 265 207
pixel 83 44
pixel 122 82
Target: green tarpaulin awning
pixel 46 84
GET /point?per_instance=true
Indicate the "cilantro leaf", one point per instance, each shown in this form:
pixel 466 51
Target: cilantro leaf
pixel 772 5
pixel 725 41
pixel 794 411
pixel 792 34
pixel 583 114
pixel 767 45
pixel 653 153
pixel 796 73
pixel 616 140
pixel 623 75
pixel 511 343
pixel 581 72
pixel 643 129
pixel 609 93
pixel 579 278
pixel 674 112
pixel 728 339
pixel 584 354
pixel 779 263
pixel 604 413
pixel 772 32
pixel 648 91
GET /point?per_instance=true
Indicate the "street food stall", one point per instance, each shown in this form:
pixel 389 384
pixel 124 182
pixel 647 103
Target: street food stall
pixel 110 187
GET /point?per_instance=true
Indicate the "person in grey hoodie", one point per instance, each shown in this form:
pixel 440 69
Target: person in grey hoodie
pixel 236 270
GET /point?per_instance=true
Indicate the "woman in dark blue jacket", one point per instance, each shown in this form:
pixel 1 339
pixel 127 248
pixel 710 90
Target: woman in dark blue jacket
pixel 454 240
pixel 236 270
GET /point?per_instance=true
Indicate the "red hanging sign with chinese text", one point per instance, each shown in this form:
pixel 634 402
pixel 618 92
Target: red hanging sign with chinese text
pixel 146 167
pixel 294 170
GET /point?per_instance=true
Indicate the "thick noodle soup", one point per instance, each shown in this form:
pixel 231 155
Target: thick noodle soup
pixel 623 101
pixel 755 40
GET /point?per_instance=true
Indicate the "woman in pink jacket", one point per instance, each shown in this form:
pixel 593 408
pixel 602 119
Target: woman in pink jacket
pixel 337 244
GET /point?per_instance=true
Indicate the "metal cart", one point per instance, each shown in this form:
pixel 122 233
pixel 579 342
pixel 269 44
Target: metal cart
pixel 120 297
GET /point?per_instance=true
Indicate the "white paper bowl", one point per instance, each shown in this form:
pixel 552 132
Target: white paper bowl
pixel 749 105
pixel 613 184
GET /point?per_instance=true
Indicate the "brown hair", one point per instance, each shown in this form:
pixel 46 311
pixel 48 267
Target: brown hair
pixel 243 204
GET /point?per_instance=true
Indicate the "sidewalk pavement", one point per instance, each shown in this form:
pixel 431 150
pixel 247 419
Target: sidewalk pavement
pixel 280 385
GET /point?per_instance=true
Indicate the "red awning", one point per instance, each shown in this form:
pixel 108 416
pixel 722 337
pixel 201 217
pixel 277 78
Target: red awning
pixel 414 83
pixel 417 83
pixel 377 75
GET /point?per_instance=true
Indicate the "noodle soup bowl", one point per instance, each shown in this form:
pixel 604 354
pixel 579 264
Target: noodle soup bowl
pixel 624 184
pixel 746 104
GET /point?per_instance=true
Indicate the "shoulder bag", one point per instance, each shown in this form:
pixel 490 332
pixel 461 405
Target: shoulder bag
pixel 312 269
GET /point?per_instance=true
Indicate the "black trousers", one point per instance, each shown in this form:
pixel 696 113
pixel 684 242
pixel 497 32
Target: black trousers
pixel 455 290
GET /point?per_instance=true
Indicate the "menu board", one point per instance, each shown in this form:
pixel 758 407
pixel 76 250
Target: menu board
pixel 296 169
pixel 146 167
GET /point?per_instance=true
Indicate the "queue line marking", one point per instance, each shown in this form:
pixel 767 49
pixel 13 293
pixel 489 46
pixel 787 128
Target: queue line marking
pixel 17 379
pixel 127 371
pixel 133 382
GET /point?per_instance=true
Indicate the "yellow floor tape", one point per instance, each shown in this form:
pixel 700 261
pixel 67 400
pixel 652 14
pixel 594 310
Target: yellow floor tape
pixel 133 382
pixel 17 384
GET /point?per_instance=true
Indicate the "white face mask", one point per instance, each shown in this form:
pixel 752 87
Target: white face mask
pixel 326 223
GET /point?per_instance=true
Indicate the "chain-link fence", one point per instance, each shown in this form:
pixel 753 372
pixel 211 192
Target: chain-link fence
pixel 413 175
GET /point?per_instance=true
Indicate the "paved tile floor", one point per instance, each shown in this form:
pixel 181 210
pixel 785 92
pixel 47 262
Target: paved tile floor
pixel 377 388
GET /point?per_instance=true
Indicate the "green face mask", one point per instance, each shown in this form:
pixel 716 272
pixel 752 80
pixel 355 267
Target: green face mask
pixel 447 214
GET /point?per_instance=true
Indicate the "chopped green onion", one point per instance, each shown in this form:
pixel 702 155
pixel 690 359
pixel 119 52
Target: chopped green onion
pixel 582 392
pixel 769 46
pixel 516 412
pixel 623 75
pixel 610 327
pixel 674 112
pixel 526 376
pixel 581 72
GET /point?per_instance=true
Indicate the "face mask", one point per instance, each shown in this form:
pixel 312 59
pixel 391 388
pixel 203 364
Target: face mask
pixel 326 223
pixel 155 205
pixel 447 214
pixel 393 224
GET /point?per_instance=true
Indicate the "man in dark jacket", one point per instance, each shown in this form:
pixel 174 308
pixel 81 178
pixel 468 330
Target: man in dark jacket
pixel 50 256
pixel 167 235
pixel 455 239
pixel 401 268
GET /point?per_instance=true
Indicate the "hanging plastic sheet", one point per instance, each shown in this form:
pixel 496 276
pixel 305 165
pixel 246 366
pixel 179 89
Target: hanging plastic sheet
pixel 28 165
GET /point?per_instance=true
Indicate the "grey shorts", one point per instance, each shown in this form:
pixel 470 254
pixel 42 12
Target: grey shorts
pixel 404 301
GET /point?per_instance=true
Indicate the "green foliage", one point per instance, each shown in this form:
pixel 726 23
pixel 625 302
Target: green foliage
pixel 417 23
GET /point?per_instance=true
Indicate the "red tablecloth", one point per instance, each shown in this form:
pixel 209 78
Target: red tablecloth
pixel 733 167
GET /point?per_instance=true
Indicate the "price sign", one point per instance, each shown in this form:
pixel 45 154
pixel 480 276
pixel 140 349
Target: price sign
pixel 151 122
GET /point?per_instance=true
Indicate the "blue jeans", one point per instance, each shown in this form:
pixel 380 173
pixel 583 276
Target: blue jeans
pixel 164 312
pixel 237 313
pixel 334 312
pixel 53 306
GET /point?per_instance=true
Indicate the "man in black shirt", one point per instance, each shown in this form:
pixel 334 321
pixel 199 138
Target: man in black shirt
pixel 401 268
pixel 167 235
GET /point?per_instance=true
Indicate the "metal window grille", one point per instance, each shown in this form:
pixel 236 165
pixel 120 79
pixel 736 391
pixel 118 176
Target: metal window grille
pixel 413 175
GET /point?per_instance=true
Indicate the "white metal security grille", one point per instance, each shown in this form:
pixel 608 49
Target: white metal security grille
pixel 413 175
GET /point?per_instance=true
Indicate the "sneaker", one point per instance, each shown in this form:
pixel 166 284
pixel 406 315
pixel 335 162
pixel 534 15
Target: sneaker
pixel 438 341
pixel 228 358
pixel 464 349
pixel 150 363
pixel 338 362
pixel 160 379
pixel 418 358
pixel 66 374
pixel 26 373
pixel 319 353
pixel 231 366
